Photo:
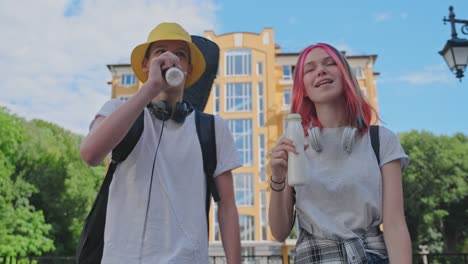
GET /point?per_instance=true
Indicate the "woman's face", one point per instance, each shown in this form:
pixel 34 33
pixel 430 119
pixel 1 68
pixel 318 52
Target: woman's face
pixel 322 79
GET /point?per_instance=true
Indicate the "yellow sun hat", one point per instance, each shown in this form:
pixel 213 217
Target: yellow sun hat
pixel 169 31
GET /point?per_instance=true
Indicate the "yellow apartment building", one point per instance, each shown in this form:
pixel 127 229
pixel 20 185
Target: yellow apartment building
pixel 252 91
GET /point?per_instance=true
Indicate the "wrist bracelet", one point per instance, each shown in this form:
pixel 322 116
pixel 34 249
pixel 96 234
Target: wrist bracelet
pixel 281 182
pixel 278 190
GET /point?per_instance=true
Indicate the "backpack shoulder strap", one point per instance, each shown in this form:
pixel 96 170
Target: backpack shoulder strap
pixel 375 141
pixel 125 147
pixel 207 137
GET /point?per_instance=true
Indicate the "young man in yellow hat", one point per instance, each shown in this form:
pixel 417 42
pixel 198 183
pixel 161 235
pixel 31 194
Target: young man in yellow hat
pixel 155 211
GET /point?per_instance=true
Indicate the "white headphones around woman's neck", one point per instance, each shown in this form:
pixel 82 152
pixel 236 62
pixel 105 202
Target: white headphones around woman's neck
pixel 347 139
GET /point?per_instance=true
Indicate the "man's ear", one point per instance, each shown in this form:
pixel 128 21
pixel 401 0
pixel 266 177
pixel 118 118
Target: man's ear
pixel 144 65
pixel 189 70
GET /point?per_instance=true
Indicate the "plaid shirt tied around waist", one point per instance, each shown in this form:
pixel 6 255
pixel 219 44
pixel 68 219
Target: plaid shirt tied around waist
pixel 310 249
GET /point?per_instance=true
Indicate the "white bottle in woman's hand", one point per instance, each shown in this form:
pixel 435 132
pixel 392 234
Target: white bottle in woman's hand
pixel 296 162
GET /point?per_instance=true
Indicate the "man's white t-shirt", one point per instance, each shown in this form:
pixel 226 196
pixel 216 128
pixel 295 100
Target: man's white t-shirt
pixel 176 220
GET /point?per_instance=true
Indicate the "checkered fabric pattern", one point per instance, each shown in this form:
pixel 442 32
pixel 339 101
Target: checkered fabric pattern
pixel 312 250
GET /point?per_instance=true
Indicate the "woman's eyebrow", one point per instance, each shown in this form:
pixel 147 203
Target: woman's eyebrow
pixel 310 63
pixel 327 59
pixel 324 59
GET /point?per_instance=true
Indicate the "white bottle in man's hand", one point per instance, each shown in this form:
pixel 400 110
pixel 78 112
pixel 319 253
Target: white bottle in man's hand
pixel 174 76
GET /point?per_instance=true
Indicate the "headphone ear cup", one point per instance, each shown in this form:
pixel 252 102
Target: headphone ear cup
pixel 162 110
pixel 314 138
pixel 181 111
pixel 348 137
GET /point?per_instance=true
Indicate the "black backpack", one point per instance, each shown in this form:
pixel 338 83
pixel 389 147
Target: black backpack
pixel 91 244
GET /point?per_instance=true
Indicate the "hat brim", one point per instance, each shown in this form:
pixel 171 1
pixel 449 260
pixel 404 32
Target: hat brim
pixel 196 60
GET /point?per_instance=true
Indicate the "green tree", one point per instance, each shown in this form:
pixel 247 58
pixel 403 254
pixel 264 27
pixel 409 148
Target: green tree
pixel 49 159
pixel 23 230
pixel 436 190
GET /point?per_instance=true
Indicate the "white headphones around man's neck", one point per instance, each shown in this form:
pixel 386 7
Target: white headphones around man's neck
pixel 347 139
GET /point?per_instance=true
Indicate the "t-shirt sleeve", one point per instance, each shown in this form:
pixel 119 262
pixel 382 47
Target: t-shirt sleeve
pixel 226 151
pixel 108 108
pixel 391 149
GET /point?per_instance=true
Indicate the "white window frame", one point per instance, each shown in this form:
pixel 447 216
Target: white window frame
pixel 261 104
pixel 247 221
pixel 230 62
pixel 216 99
pixel 216 233
pixel 262 157
pixel 245 136
pixel 287 77
pixel 359 72
pixel 128 80
pixel 285 91
pixel 260 68
pixel 124 98
pixel 263 215
pixel 231 96
pixel 364 91
pixel 244 184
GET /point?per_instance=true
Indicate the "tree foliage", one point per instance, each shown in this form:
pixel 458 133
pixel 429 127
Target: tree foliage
pixel 49 159
pixel 436 190
pixel 23 229
pixel 50 181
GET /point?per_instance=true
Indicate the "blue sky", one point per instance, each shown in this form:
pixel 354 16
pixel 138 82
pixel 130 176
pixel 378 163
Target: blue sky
pixel 54 53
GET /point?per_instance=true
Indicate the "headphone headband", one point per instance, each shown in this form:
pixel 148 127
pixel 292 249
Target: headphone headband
pixel 162 110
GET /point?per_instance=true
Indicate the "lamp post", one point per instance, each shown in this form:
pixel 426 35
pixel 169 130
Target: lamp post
pixel 455 51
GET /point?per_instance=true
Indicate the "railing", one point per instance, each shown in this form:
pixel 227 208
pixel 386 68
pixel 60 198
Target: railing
pixel 442 258
pixel 275 259
pixel 37 260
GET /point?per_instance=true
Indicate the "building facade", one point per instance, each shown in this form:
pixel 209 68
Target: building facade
pixel 252 91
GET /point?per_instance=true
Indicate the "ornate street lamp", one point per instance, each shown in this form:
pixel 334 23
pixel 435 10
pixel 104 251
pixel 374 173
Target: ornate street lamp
pixel 455 51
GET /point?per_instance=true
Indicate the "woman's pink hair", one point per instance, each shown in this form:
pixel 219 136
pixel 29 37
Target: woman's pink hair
pixel 359 112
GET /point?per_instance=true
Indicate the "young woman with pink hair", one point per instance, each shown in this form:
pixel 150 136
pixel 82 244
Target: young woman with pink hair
pixel 350 190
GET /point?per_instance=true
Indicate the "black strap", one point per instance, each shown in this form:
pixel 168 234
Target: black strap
pixel 125 147
pixel 375 141
pixel 207 137
pixel 91 243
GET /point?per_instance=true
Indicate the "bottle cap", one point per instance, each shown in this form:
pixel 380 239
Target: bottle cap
pixel 294 116
pixel 174 76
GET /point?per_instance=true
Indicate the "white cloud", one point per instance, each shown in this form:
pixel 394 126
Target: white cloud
pixel 428 75
pixel 381 17
pixel 54 67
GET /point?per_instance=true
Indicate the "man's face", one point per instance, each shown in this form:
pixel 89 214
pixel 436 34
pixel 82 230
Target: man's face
pixel 178 47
